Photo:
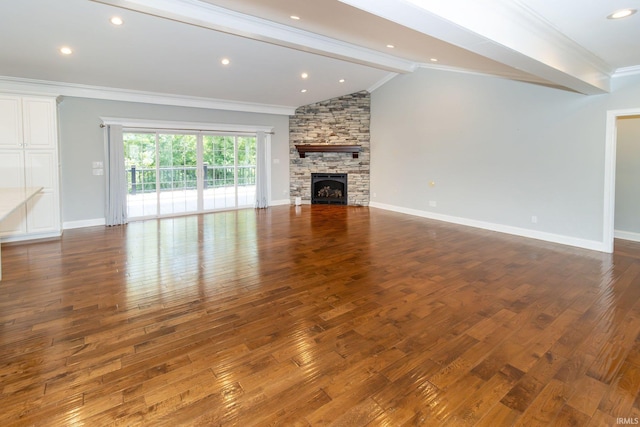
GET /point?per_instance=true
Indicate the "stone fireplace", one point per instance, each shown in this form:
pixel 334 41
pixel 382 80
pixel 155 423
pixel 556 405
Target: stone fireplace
pixel 332 138
pixel 329 189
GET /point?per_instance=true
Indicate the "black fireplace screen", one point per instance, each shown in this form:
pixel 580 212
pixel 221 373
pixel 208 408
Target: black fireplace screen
pixel 329 188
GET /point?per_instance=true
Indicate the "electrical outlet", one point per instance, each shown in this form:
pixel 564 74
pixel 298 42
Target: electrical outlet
pixel 433 203
pixel 97 165
pixel 98 171
pixel 534 219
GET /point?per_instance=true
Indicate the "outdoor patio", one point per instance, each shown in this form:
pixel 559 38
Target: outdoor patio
pixel 181 201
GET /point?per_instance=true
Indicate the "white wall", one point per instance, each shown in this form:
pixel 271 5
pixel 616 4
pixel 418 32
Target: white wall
pixel 82 142
pixel 499 152
pixel 627 209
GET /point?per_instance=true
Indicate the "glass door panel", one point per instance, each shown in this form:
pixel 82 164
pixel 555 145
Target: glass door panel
pixel 219 163
pixel 178 157
pixel 140 163
pixel 246 188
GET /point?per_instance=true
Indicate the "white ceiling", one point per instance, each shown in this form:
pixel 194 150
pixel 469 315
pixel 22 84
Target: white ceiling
pixel 170 50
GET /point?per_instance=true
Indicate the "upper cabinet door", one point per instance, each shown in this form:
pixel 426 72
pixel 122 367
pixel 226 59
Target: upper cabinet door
pixel 10 122
pixel 39 121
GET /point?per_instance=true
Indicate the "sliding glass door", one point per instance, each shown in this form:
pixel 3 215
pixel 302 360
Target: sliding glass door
pixel 177 170
pixel 181 173
pixel 140 159
pixel 246 167
pixel 230 171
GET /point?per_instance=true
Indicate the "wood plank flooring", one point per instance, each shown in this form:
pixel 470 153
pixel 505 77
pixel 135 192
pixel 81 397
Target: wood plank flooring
pixel 316 315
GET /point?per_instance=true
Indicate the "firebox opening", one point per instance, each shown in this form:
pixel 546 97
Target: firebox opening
pixel 329 188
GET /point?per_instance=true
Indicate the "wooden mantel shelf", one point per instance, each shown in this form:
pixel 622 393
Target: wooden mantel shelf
pixel 303 149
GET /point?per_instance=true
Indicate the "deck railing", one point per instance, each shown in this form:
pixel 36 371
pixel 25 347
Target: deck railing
pixel 143 180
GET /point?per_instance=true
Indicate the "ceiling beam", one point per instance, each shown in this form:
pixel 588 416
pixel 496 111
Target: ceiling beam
pixel 506 31
pixel 206 15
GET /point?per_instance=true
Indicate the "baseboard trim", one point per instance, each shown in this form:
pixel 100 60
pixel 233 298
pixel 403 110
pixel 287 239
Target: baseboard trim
pixel 281 202
pixel 68 225
pixel 30 237
pixel 626 235
pixel 516 231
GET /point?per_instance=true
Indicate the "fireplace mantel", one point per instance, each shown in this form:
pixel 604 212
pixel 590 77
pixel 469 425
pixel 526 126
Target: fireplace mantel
pixel 303 149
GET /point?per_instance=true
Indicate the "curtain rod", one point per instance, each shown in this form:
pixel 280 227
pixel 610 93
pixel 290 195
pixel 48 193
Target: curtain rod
pixel 102 125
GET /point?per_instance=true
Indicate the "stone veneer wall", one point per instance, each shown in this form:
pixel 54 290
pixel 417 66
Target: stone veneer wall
pixel 343 120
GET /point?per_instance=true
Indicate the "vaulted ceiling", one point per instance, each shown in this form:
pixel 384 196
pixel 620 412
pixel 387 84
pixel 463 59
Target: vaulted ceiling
pixel 171 51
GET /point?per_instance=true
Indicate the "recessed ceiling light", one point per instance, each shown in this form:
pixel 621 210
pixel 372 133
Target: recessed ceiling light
pixel 304 75
pixel 225 61
pixel 623 13
pixel 295 17
pixel 434 59
pixel 65 50
pixel 116 20
pixel 303 90
pixel 341 81
pixel 390 46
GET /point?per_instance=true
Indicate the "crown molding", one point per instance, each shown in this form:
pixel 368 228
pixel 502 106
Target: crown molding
pixel 627 71
pixel 216 18
pixel 44 87
pixel 381 82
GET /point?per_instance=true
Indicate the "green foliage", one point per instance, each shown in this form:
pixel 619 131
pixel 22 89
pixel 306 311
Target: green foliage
pixel 139 150
pixel 177 160
pixel 177 150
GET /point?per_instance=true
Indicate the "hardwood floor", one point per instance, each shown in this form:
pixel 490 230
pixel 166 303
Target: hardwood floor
pixel 316 315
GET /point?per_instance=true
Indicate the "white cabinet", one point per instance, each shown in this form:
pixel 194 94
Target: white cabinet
pixel 10 122
pixel 29 158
